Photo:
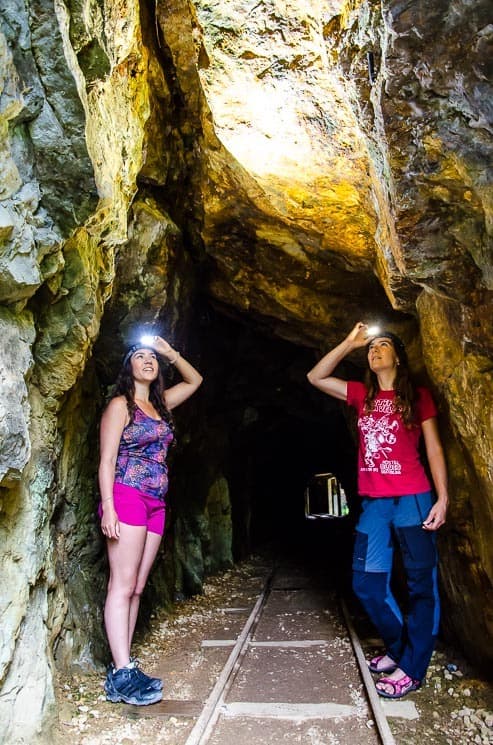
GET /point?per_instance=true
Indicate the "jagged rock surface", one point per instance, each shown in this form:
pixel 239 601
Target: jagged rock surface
pixel 212 152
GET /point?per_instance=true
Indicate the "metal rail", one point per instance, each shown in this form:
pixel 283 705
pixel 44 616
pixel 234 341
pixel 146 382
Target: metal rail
pixel 386 735
pixel 212 708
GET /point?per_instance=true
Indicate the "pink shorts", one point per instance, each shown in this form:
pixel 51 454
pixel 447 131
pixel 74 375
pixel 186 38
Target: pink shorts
pixel 135 508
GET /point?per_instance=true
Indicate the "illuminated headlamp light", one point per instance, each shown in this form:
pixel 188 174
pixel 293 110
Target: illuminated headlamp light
pixel 147 340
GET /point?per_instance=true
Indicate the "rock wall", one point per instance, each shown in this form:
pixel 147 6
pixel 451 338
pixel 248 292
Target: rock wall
pixel 299 168
pixel 71 148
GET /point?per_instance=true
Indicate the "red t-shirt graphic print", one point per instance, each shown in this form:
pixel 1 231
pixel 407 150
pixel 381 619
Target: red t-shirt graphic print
pixel 388 459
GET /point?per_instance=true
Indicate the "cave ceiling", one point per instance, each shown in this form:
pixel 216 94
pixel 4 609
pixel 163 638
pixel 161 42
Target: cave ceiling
pixel 290 208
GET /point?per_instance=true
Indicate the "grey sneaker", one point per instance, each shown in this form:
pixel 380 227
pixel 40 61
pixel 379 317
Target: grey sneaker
pixel 154 683
pixel 125 685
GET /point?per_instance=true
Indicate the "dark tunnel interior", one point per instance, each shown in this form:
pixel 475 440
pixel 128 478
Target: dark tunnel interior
pixel 280 431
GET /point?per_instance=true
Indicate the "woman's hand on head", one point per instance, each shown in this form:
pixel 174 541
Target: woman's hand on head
pixel 163 347
pixel 359 335
pixel 110 526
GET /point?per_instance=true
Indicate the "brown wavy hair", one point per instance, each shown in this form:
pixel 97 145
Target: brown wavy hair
pixel 125 386
pixel 405 390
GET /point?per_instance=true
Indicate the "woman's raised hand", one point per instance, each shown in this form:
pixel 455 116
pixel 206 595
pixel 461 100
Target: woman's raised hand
pixel 164 348
pixel 359 335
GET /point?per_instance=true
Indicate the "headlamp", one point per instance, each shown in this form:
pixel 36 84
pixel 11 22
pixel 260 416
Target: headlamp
pixel 147 340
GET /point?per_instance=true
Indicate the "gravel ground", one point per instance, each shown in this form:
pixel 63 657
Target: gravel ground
pixel 455 705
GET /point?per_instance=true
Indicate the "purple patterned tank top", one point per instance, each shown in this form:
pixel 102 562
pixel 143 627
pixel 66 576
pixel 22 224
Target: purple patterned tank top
pixel 141 460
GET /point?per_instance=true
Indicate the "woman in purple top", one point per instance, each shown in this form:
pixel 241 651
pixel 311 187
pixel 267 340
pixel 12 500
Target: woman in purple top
pixel 136 432
pixel 398 507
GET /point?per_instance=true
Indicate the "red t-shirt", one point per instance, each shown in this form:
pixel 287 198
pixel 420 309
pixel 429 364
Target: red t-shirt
pixel 388 459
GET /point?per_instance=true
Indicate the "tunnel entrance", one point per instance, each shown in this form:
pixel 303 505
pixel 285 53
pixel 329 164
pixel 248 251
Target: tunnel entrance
pixel 280 431
pixel 256 426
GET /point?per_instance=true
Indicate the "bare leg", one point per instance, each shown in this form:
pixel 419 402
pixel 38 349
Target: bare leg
pixel 152 543
pixel 125 556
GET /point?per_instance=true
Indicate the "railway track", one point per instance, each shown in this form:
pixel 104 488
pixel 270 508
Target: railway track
pixel 272 659
pixel 295 673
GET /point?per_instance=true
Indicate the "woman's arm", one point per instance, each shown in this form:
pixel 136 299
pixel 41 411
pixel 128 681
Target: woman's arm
pixel 438 468
pixel 112 424
pixel 320 376
pixel 192 379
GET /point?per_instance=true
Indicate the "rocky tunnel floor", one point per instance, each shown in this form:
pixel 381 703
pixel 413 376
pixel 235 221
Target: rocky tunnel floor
pixel 454 706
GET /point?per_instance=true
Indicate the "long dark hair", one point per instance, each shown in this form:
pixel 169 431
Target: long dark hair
pixel 125 386
pixel 405 391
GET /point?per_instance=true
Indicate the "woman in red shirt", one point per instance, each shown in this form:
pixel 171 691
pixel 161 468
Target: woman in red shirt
pixel 397 501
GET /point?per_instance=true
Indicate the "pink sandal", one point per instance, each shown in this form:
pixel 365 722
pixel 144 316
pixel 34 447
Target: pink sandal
pixel 401 687
pixel 374 662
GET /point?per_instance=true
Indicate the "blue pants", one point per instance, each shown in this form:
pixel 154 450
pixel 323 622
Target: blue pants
pixel 383 522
